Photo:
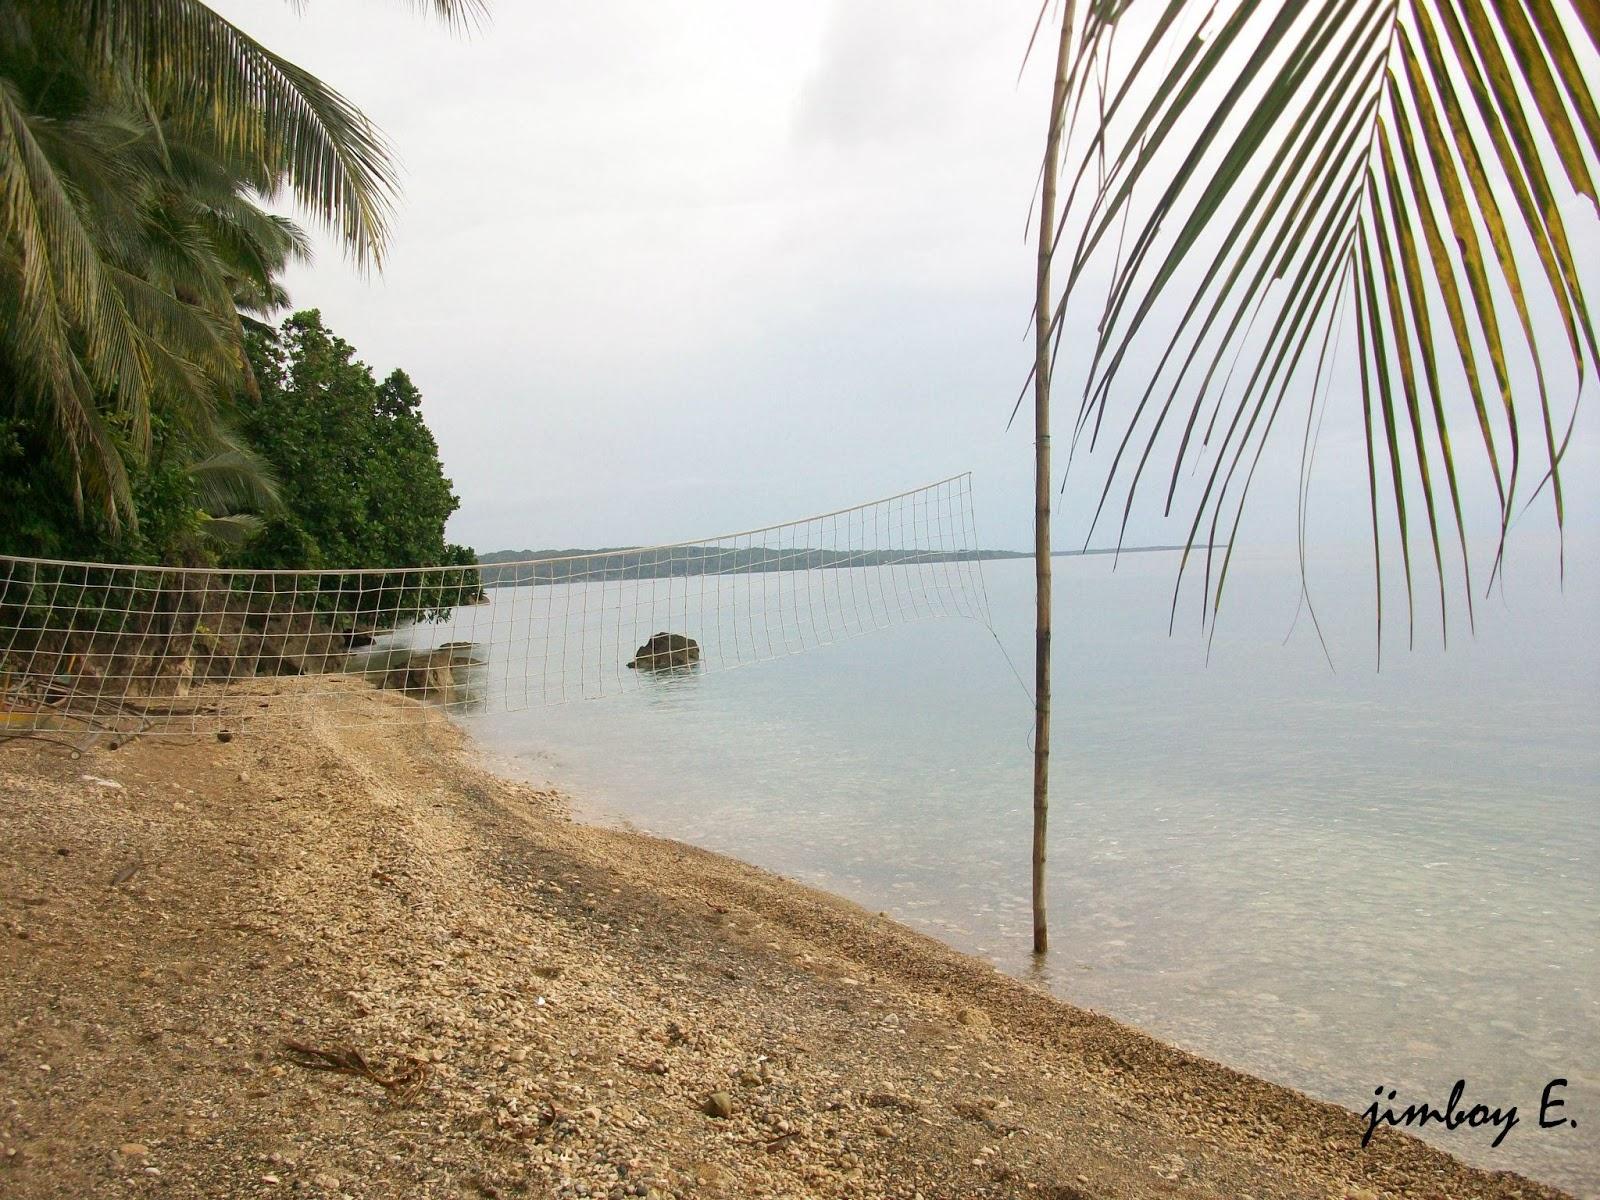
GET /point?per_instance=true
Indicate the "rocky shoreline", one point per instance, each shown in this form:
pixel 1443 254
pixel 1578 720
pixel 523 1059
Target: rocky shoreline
pixel 334 957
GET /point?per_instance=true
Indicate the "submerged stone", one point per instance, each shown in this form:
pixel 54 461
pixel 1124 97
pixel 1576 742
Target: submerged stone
pixel 666 650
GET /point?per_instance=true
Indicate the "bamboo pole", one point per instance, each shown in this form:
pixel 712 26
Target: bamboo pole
pixel 1043 310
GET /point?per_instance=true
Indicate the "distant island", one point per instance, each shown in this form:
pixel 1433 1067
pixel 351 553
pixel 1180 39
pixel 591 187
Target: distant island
pixel 515 568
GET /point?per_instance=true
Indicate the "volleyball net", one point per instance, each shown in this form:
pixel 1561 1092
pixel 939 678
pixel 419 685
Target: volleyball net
pixel 111 650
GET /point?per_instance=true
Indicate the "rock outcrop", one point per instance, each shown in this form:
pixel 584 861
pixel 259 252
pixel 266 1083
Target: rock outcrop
pixel 436 674
pixel 666 650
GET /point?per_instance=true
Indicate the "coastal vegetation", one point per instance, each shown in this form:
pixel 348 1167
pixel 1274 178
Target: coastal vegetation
pixel 362 491
pixel 362 485
pixel 141 148
pixel 325 466
pixel 150 413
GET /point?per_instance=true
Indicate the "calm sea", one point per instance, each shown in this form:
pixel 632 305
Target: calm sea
pixel 1336 879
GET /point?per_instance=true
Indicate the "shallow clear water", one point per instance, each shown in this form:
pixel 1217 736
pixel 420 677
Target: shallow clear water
pixel 1336 880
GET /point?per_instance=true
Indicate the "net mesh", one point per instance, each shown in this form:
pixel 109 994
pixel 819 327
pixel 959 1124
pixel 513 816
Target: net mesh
pixel 109 650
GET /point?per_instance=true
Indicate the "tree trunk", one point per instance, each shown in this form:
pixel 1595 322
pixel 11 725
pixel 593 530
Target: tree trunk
pixel 1043 308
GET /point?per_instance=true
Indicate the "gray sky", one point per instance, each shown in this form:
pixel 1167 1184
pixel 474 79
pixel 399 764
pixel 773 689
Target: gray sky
pixel 663 271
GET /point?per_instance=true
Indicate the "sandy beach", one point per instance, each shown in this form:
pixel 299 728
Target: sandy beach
pixel 334 956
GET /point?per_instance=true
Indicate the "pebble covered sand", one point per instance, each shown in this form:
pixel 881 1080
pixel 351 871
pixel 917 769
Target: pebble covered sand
pixel 335 958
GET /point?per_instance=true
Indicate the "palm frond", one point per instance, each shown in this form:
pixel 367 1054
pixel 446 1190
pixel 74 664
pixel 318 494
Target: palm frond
pixel 259 106
pixel 68 334
pixel 1260 166
pixel 465 15
pixel 234 479
pixel 229 532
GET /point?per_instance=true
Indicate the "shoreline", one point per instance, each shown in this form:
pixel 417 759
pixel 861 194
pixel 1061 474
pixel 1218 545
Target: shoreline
pixel 571 1000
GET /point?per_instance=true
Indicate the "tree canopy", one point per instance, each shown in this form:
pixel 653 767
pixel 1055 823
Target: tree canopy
pixel 141 145
pixel 362 485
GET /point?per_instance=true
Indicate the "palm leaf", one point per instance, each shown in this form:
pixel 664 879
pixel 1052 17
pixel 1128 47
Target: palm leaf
pixel 230 532
pixel 234 479
pixel 458 14
pixel 67 335
pixel 1408 158
pixel 135 142
pixel 260 106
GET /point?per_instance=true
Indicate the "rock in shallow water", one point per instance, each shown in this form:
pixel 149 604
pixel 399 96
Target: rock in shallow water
pixel 666 650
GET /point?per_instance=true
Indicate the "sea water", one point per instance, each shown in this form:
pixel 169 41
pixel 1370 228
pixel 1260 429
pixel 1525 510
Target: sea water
pixel 1341 878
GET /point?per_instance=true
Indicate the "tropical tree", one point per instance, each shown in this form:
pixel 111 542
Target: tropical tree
pixel 139 143
pixel 1263 183
pixel 362 486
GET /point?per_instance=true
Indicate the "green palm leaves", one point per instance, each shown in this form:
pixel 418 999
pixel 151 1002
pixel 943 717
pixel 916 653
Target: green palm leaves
pixel 262 110
pixel 138 145
pixel 1254 179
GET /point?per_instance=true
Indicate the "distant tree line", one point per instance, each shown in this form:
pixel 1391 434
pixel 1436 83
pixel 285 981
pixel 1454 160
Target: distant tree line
pixel 519 568
pixel 506 568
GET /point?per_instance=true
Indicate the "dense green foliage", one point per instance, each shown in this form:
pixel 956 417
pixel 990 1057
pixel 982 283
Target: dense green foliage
pixel 139 145
pixel 132 241
pixel 362 485
pixel 192 499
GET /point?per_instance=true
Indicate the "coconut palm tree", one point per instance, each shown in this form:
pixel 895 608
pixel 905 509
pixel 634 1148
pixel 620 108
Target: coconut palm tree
pixel 176 243
pixel 1261 184
pixel 137 141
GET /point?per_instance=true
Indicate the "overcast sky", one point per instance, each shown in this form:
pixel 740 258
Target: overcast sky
pixel 663 271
